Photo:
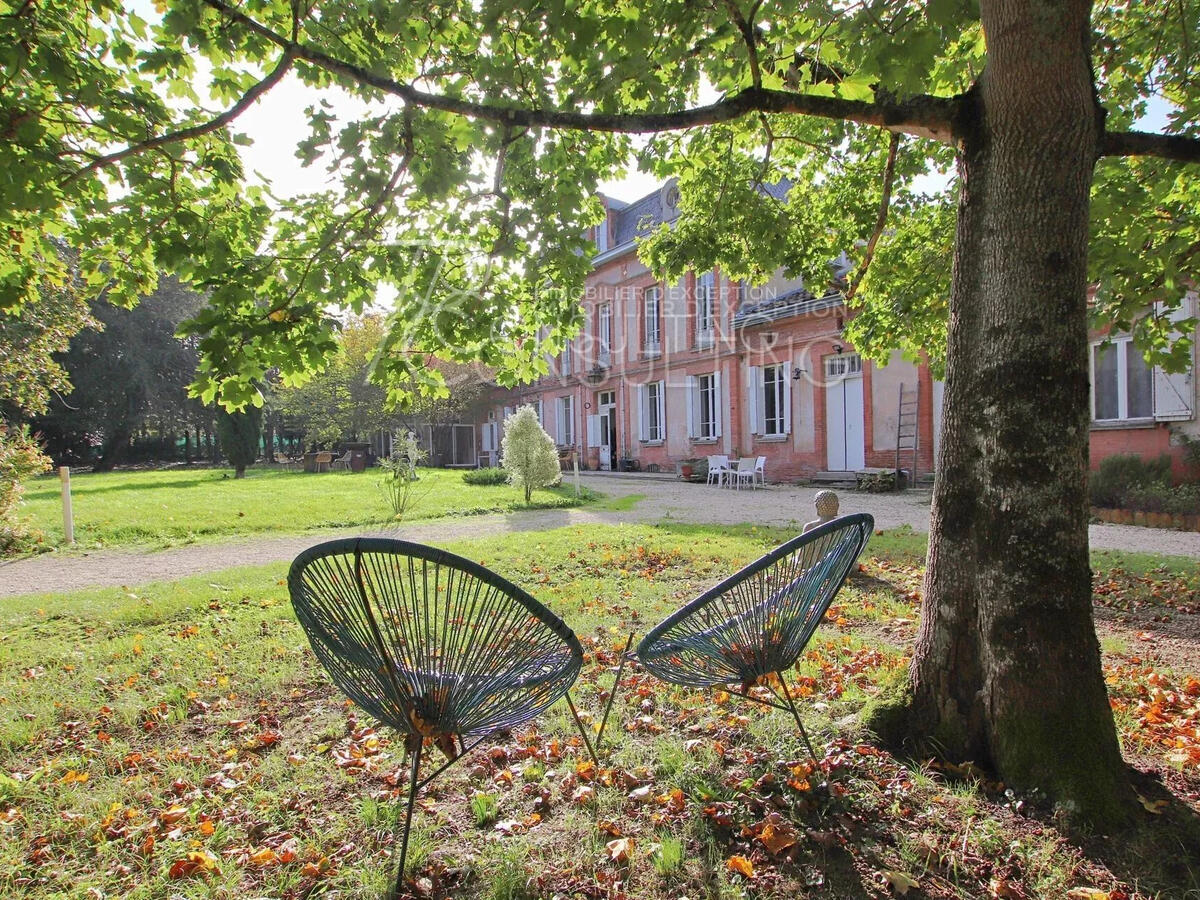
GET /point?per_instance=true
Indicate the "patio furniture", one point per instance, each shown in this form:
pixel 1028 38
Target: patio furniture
pixel 756 623
pixel 289 463
pixel 760 471
pixel 718 467
pixel 743 472
pixel 434 646
pixel 321 461
pixel 342 463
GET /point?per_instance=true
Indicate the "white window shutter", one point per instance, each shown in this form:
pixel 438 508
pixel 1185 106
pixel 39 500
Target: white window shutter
pixel 1175 393
pixel 593 431
pixel 487 437
pixel 692 400
pixel 787 398
pixel 753 390
pixel 643 429
pixel 661 402
pixel 717 402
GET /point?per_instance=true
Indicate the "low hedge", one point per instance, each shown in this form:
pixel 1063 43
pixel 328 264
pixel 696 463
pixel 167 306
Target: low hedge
pixel 486 476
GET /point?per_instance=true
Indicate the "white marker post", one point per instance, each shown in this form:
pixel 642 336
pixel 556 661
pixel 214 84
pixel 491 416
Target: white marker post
pixel 575 461
pixel 64 474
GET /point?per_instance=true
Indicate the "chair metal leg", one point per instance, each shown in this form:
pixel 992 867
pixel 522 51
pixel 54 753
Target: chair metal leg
pixel 796 715
pixel 582 731
pixel 612 694
pixel 413 784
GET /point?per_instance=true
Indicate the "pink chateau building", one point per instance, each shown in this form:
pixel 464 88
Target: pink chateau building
pixel 666 372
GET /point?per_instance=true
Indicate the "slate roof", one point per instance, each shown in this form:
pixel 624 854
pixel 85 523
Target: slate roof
pixel 639 217
pixel 794 303
pixel 635 219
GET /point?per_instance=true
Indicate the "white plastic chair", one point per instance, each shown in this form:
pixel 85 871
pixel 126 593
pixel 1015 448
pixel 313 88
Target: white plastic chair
pixel 718 467
pixel 760 471
pixel 743 472
pixel 342 462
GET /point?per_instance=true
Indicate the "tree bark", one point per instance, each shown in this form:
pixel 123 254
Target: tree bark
pixel 1007 666
pixel 112 450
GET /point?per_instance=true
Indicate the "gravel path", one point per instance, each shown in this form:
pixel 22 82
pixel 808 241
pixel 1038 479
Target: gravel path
pixel 663 500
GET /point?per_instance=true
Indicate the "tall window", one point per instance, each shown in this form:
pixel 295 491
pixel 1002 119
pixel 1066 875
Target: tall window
pixel 706 295
pixel 650 314
pixel 566 421
pixel 650 412
pixel 707 422
pixel 564 360
pixel 774 379
pixel 1122 383
pixel 605 333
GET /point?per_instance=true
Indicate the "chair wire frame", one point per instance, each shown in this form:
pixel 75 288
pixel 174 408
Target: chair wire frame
pixel 756 623
pixel 433 645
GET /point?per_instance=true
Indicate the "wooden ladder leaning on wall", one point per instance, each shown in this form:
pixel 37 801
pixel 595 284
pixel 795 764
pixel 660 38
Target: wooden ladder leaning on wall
pixel 906 430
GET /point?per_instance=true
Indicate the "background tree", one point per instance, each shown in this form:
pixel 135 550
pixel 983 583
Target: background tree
pixel 239 433
pixel 30 375
pixel 471 184
pixel 528 454
pixel 32 340
pixel 340 402
pixel 128 377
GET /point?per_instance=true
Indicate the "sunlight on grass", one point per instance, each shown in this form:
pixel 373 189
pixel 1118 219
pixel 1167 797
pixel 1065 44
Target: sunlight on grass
pixel 183 505
pixel 181 739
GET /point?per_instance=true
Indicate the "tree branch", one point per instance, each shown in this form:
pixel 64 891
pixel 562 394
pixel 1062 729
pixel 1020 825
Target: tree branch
pixel 889 173
pixel 746 27
pixel 184 134
pixel 924 115
pixel 1144 143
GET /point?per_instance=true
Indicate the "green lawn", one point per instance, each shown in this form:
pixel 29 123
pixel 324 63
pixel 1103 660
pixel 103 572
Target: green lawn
pixel 181 740
pixel 182 505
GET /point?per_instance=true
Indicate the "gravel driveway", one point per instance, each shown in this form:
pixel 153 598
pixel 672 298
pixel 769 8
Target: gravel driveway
pixel 662 500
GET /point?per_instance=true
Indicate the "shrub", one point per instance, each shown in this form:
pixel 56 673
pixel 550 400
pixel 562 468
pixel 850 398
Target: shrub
pixel 399 477
pixel 488 476
pixel 1117 475
pixel 1183 499
pixel 530 457
pixel 20 458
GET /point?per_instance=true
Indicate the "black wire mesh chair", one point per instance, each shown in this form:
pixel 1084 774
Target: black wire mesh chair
pixel 757 622
pixel 435 646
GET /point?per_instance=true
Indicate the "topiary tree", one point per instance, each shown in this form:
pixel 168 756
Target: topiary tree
pixel 239 433
pixel 528 453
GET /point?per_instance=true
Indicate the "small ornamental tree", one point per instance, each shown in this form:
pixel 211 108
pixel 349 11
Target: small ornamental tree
pixel 239 433
pixel 20 458
pixel 529 456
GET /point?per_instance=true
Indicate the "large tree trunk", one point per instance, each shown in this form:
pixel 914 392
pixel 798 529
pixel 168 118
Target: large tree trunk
pixel 1007 666
pixel 112 450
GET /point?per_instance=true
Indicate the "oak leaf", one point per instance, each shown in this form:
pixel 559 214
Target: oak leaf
pixel 900 882
pixel 740 865
pixel 621 849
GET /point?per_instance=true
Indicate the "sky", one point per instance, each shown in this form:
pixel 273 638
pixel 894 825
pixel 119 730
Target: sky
pixel 276 124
